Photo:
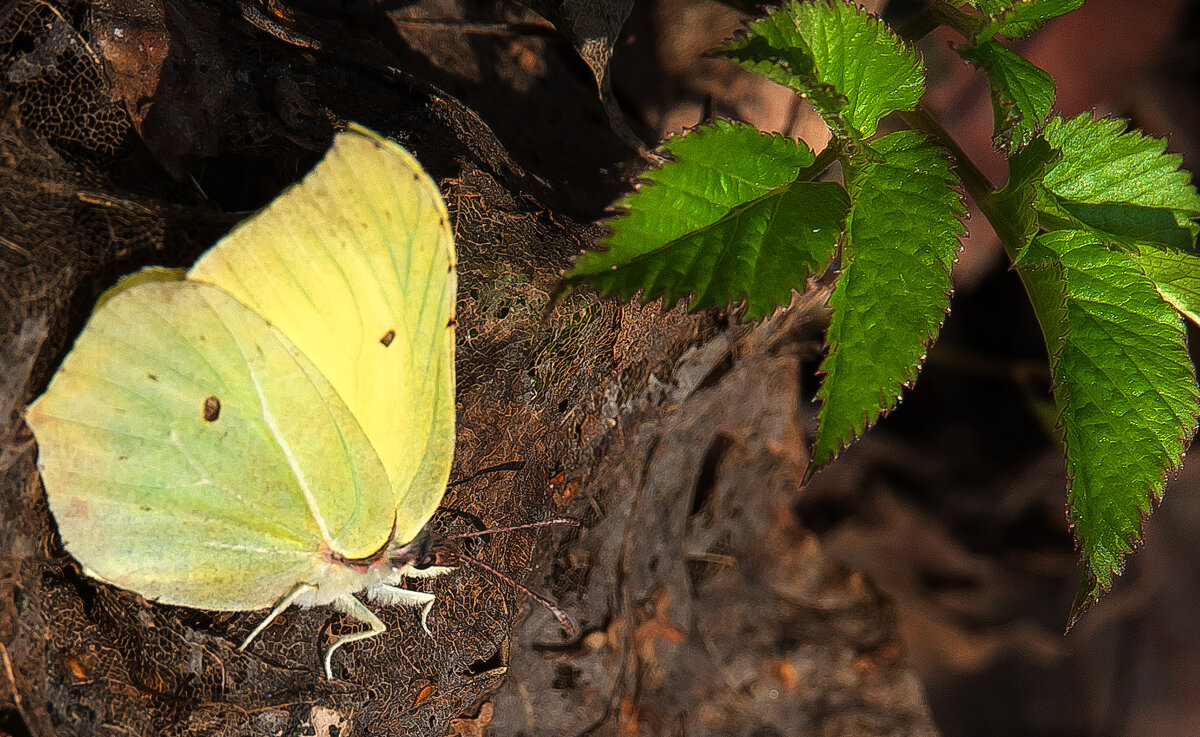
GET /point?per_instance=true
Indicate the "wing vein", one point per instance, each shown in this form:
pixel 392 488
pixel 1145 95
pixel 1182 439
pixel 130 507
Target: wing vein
pixel 293 463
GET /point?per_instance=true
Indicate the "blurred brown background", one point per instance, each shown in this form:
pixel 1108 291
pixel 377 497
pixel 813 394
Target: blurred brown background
pixel 954 504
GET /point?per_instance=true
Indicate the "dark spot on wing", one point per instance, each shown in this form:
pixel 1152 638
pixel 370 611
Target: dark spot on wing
pixel 451 323
pixel 212 408
pixel 152 377
pixel 387 338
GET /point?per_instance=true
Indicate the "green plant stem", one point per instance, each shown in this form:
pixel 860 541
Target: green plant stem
pixel 977 185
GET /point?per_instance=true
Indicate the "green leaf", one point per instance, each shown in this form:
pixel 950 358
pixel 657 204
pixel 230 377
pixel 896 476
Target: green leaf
pixel 1016 202
pixel 1176 274
pixel 726 220
pixel 1125 387
pixel 1022 94
pixel 850 65
pixel 894 289
pixel 1019 19
pixel 1121 184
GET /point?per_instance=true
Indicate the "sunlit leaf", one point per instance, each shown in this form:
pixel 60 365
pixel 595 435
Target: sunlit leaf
pixel 1121 183
pixel 1022 17
pixel 1022 94
pixel 894 289
pixel 1125 387
pixel 851 66
pixel 725 221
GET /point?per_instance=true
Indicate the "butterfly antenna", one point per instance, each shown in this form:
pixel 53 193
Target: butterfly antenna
pixel 563 620
pixel 506 466
pixel 491 530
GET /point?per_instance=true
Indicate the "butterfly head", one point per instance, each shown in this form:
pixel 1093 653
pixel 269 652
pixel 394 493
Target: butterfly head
pixel 423 556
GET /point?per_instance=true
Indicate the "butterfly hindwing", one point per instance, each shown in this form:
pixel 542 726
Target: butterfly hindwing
pixel 193 454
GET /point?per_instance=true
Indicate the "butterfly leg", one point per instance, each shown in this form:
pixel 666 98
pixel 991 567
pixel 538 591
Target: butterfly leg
pixel 300 590
pixel 391 595
pixel 348 604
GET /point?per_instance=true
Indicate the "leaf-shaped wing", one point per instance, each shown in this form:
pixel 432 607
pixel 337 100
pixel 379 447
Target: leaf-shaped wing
pixel 193 454
pixel 355 264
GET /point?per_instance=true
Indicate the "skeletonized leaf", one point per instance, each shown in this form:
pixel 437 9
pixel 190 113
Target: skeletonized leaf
pixel 894 289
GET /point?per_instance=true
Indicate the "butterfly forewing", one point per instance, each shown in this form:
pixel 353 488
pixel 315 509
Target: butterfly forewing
pixel 356 265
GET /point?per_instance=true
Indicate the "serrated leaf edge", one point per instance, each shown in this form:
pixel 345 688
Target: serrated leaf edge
pixel 621 208
pixel 927 342
pixel 1153 492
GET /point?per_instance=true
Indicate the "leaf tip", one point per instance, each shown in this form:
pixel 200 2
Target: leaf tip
pixel 1088 594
